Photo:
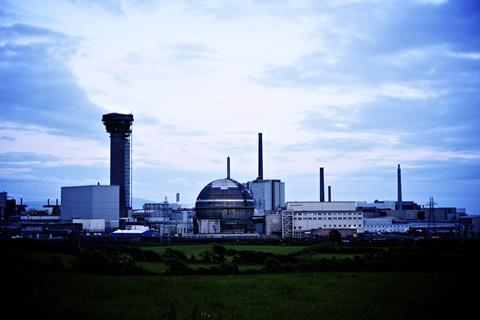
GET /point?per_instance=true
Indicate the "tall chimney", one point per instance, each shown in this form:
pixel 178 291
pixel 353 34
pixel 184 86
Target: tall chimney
pixel 322 186
pixel 177 197
pixel 260 157
pixel 329 193
pixel 399 188
pixel 228 167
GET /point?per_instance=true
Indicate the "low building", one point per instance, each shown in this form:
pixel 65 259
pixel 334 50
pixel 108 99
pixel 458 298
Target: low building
pixel 91 225
pixel 273 224
pixel 91 202
pixel 470 226
pixel 300 217
pixel 385 225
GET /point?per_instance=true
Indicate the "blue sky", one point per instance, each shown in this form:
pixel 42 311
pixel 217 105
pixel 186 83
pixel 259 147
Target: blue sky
pixel 353 86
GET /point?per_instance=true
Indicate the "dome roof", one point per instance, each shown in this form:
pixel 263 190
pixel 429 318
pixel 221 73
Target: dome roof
pixel 225 189
pixel 227 203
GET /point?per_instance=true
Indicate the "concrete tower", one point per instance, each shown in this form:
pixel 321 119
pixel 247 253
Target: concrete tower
pixel 119 127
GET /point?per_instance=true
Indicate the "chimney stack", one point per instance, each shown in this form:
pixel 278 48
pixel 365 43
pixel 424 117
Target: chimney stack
pixel 260 157
pixel 322 186
pixel 228 167
pixel 399 189
pixel 329 193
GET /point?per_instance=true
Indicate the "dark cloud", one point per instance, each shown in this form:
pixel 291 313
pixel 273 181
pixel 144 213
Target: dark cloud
pixel 36 87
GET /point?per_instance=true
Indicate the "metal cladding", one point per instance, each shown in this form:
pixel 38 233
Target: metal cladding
pixel 322 186
pixel 329 194
pixel 119 127
pixel 260 157
pixel 399 189
pixel 229 202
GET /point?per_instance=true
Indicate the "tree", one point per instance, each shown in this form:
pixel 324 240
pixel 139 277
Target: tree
pixel 335 236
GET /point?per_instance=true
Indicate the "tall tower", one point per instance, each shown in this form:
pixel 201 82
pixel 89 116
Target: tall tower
pixel 119 127
pixel 399 188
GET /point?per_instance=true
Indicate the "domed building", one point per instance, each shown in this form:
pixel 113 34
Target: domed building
pixel 224 206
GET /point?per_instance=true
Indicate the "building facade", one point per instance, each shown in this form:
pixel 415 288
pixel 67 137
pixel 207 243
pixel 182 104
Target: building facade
pixel 300 218
pixel 91 202
pixel 268 195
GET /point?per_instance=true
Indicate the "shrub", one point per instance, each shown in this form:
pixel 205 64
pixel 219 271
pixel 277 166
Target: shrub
pixel 176 266
pixel 106 261
pixel 272 265
pixel 175 254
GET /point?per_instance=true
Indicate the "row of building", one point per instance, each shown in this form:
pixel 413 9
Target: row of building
pixel 224 208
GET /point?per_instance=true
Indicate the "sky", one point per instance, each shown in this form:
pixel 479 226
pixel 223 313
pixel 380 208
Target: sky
pixel 353 86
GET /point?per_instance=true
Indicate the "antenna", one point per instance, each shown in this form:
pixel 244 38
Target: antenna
pixel 431 217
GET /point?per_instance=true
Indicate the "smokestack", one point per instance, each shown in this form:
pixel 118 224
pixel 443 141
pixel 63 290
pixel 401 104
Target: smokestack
pixel 178 197
pixel 399 188
pixel 322 186
pixel 260 157
pixel 329 193
pixel 228 167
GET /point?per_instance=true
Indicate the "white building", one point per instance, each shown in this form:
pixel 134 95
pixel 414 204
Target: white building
pixel 91 202
pixel 385 225
pixel 383 205
pixel 268 195
pixel 301 217
pixel 91 225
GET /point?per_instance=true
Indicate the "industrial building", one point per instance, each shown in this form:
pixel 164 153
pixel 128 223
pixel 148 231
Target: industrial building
pixel 224 206
pixel 385 225
pixel 268 194
pixel 167 219
pixel 91 203
pixel 301 219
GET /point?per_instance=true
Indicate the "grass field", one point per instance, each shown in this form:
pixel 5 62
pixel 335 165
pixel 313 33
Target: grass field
pixel 284 296
pixel 35 286
pixel 196 249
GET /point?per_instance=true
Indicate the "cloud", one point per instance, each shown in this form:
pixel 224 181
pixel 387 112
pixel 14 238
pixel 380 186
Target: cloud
pixel 36 86
pixel 181 53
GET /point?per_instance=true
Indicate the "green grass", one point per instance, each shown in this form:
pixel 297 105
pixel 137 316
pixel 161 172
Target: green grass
pixel 196 249
pixel 36 288
pixel 283 296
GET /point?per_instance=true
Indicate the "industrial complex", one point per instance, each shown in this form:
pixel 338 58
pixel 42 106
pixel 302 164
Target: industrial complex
pixel 224 208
